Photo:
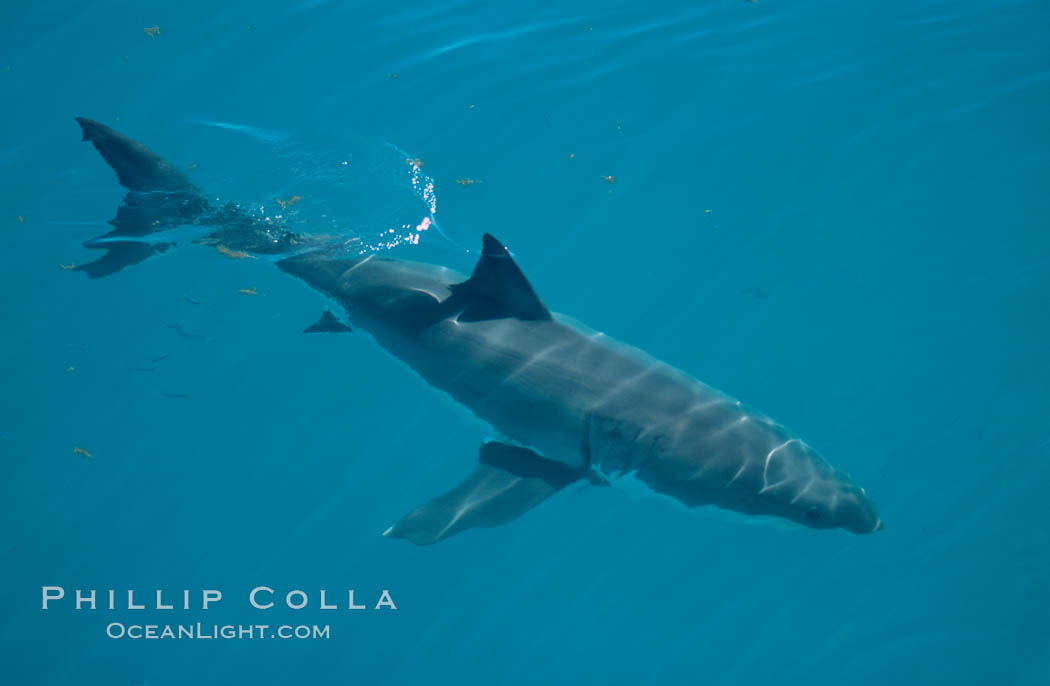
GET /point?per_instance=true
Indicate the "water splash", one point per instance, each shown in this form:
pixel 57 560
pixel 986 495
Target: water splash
pixel 423 187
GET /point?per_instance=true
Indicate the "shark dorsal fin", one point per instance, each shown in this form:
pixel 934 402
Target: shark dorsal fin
pixel 497 288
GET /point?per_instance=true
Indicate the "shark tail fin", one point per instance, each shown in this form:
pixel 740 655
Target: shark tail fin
pixel 507 482
pixel 138 168
pixel 159 197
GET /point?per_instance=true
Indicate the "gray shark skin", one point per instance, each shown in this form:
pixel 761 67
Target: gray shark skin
pixel 571 403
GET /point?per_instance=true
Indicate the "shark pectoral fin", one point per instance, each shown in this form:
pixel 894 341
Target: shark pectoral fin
pixel 507 482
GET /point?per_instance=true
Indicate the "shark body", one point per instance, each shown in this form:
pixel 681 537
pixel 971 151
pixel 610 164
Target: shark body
pixel 570 403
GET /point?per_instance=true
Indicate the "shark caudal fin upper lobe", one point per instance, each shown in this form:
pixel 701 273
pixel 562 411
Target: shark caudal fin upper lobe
pixel 159 198
pixel 138 168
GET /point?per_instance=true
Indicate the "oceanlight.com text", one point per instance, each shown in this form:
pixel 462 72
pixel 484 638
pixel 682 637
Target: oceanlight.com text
pixel 201 631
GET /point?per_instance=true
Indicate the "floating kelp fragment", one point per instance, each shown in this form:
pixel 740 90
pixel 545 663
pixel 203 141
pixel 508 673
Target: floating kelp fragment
pixel 290 201
pixel 81 451
pixel 233 254
pixel 152 31
pixel 248 291
pixel 609 179
pixel 467 182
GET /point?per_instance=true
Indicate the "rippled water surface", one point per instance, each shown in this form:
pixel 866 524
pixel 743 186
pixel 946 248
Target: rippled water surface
pixel 835 211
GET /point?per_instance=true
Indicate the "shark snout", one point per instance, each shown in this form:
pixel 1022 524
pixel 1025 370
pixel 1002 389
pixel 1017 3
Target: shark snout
pixel 835 503
pixel 856 512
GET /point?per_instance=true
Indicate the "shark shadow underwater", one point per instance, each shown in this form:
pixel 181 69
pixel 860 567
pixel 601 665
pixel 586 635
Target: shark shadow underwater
pixel 571 404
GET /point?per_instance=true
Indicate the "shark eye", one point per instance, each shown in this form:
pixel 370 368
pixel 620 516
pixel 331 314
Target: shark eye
pixel 813 513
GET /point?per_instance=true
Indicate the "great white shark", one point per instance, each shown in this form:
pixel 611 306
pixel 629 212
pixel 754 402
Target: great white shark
pixel 570 404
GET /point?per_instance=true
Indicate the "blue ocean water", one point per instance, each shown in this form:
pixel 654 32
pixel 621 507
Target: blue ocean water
pixel 837 212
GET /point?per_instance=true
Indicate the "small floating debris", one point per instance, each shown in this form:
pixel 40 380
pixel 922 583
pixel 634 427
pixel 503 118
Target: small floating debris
pixel 152 31
pixel 191 301
pixel 248 291
pixel 233 254
pixel 757 292
pixel 81 451
pixel 21 219
pixel 290 201
pixel 467 182
pixel 162 357
pixel 471 106
pixel 414 162
pixel 191 166
pixel 391 76
pixel 609 179
pixel 67 267
pixel 71 368
pixel 572 155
